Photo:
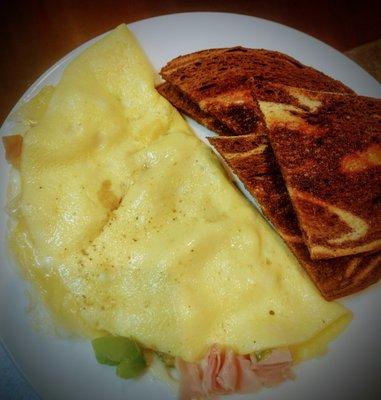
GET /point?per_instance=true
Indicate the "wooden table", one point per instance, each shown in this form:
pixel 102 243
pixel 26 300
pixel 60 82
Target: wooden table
pixel 37 33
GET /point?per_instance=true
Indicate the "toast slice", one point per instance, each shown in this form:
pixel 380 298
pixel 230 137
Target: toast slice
pixel 210 72
pixel 328 148
pixel 232 112
pixel 215 86
pixel 252 160
pixel 249 79
pixel 179 100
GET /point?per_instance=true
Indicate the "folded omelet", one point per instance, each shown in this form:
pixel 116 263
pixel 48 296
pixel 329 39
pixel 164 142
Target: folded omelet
pixel 129 225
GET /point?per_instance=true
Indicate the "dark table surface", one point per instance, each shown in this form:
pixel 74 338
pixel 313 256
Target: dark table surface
pixel 37 33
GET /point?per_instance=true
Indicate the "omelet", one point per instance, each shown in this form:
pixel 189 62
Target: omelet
pixel 129 225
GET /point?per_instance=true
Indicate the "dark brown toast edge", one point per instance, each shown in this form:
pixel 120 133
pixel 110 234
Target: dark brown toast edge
pixel 231 113
pixel 219 83
pixel 234 112
pixel 253 162
pixel 330 158
pixel 207 73
pixel 191 109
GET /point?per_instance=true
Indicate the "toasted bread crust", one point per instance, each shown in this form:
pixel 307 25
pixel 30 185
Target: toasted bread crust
pixel 216 86
pixel 262 178
pixel 331 161
pixel 235 112
pixel 182 102
pixel 210 72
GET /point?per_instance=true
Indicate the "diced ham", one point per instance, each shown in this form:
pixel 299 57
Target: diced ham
pixel 190 380
pixel 13 147
pixel 248 381
pixel 223 372
pixel 227 377
pixel 212 368
pixel 275 368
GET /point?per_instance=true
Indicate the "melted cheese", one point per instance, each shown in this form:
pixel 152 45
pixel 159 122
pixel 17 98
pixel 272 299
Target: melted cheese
pixel 128 224
pixel 104 108
pixel 186 262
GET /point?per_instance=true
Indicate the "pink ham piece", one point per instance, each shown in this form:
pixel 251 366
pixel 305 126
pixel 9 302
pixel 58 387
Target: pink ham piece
pixel 223 372
pixel 227 377
pixel 210 383
pixel 275 368
pixel 248 380
pixel 190 380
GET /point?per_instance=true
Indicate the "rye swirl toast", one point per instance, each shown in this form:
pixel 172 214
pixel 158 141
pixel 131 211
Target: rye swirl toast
pixel 328 148
pixel 252 160
pixel 242 103
pixel 210 72
pixel 213 86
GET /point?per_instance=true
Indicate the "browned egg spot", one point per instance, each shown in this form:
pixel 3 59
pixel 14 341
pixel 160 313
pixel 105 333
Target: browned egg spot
pixel 107 197
pixel 13 147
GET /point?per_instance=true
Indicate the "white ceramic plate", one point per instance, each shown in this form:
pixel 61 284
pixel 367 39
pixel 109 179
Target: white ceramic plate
pixel 63 369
